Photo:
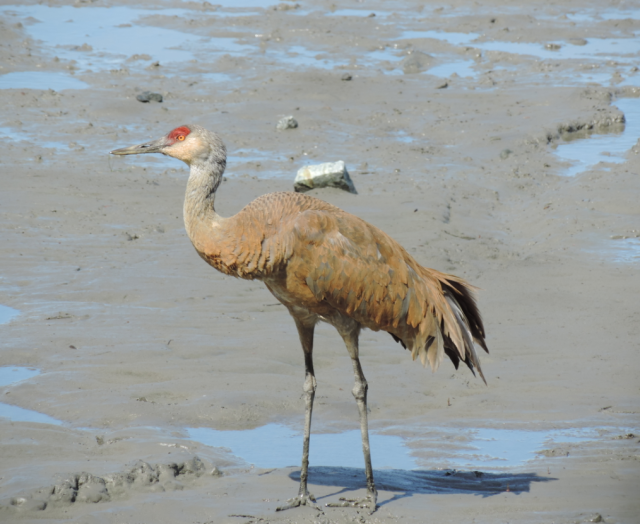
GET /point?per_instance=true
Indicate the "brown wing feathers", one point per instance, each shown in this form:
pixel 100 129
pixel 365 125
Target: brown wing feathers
pixel 384 288
pixel 347 264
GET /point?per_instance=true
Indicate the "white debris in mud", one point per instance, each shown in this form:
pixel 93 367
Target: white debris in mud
pixel 287 122
pixel 329 174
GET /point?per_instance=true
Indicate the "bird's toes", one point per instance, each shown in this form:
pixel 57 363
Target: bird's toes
pixel 300 500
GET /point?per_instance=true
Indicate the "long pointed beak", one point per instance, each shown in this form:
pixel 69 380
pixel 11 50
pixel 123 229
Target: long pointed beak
pixel 156 146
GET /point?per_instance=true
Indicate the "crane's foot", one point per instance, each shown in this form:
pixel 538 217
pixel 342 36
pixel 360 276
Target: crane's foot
pixel 301 500
pixel 369 502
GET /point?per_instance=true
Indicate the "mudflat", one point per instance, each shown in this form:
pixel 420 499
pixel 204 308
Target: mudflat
pixel 493 141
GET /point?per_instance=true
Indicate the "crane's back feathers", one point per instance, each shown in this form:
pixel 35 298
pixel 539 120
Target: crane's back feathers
pixel 315 256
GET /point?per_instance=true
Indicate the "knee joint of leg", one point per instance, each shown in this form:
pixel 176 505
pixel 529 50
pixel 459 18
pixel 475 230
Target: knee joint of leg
pixel 309 384
pixel 359 391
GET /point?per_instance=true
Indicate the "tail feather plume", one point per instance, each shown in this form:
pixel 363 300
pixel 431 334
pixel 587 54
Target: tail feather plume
pixel 455 327
pixel 471 359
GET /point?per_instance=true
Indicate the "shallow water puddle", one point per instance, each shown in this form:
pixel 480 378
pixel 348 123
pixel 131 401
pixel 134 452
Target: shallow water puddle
pixel 17 136
pixel 627 251
pixel 609 14
pixel 402 136
pixel 298 55
pixel 263 4
pixel 16 414
pixel 449 66
pixel 40 80
pixel 242 156
pixel 489 448
pixel 595 48
pixel 11 375
pixel 114 31
pixel 275 446
pixel 449 37
pixel 463 68
pixel 610 147
pixel 620 250
pixel 362 13
pixel 7 313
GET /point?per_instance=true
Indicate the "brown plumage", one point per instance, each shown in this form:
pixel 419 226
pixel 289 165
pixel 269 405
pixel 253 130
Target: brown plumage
pixel 325 264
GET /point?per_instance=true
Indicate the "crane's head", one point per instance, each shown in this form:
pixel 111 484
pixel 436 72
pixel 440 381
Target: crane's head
pixel 188 143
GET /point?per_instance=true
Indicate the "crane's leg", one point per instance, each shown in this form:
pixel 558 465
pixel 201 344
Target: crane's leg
pixel 304 498
pixel 360 393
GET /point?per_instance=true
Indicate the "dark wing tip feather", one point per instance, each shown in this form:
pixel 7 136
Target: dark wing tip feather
pixel 398 339
pixel 470 324
pixel 467 302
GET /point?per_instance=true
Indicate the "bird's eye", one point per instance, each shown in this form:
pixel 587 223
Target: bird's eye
pixel 181 137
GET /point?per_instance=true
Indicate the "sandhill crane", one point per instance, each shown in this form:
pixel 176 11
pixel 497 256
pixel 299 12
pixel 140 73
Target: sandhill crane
pixel 324 264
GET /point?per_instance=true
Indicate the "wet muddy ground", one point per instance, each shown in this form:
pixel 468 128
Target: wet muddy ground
pixel 496 142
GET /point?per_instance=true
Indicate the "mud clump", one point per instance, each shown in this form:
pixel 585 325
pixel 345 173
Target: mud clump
pixel 416 62
pixel 555 452
pixel 87 488
pixel 609 120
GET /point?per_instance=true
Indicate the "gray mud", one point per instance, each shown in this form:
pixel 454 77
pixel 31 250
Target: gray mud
pixel 448 125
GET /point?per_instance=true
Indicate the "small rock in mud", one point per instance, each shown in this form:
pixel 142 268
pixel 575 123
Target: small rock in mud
pixel 287 122
pixel 148 96
pixel 596 517
pixel 346 77
pixel 330 174
pixel 504 154
pixel 552 47
pixel 442 84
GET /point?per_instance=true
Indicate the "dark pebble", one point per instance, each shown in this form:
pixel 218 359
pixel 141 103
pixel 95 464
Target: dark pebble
pixel 148 96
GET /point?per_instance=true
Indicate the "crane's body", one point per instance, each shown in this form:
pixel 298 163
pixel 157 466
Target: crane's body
pixel 324 264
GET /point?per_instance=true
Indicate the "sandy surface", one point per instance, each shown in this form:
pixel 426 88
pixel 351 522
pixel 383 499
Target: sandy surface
pixel 137 339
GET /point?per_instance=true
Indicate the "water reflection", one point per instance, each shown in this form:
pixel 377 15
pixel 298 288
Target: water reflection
pixel 275 446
